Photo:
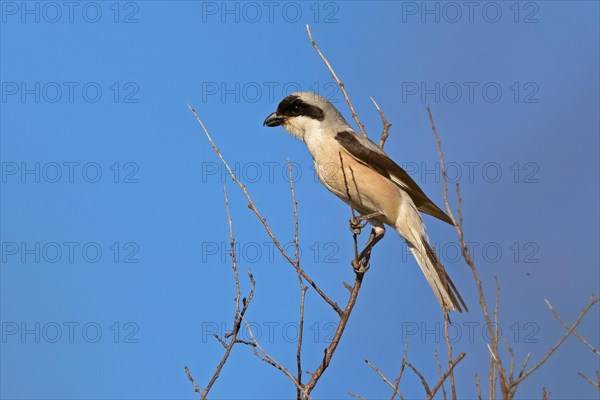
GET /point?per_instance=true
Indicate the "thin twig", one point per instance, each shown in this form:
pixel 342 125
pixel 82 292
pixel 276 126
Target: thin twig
pixel 448 373
pixel 577 335
pixel 340 84
pixel 385 379
pixel 356 396
pixel 504 383
pixel 402 365
pixel 263 220
pixel 303 288
pixel 270 360
pixel 545 394
pixel 594 384
pixel 449 349
pixel 386 125
pixel 191 378
pixel 423 381
pixel 439 364
pixel 593 300
pixel 239 313
pixel 478 386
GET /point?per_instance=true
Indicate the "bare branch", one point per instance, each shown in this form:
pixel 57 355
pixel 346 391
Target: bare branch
pixel 423 381
pixel 340 84
pixel 577 335
pixel 263 220
pixel 593 300
pixel 594 384
pixel 328 353
pixel 386 125
pixel 191 378
pixel 448 373
pixel 402 365
pixel 449 350
pixel 439 364
pixel 386 380
pixel 239 314
pixel 504 383
pixel 478 386
pixel 303 288
pixel 545 394
pixel 271 361
pixel 356 396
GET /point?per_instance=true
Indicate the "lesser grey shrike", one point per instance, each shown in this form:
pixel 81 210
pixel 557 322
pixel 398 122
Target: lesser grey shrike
pixel 361 174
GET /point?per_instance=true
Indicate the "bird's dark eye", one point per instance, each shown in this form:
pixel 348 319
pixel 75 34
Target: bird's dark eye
pixel 296 109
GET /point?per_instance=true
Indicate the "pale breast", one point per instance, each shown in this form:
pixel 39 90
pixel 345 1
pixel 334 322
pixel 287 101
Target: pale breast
pixel 358 185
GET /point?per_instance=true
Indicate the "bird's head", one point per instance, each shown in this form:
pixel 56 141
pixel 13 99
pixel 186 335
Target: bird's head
pixel 304 112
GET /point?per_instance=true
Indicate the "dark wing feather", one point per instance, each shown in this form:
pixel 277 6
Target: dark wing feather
pixel 380 162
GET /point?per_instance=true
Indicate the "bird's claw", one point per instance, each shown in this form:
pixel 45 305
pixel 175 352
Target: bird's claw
pixel 361 265
pixel 357 224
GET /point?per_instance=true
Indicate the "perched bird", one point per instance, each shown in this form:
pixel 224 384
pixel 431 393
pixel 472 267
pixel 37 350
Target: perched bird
pixel 361 174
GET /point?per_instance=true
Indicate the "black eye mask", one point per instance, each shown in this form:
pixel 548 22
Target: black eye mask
pixel 293 106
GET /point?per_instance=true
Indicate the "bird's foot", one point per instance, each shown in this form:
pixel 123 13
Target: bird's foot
pixel 361 264
pixel 357 224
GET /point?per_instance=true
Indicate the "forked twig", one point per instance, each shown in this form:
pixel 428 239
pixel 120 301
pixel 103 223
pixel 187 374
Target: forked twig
pixel 386 125
pixel 386 380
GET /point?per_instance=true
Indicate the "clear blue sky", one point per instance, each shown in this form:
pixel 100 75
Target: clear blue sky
pixel 114 238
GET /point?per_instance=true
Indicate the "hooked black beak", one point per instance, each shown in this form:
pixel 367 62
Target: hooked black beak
pixel 273 120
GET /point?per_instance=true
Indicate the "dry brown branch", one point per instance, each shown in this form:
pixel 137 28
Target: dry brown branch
pixel 258 349
pixel 340 84
pixel 439 364
pixel 239 313
pixel 504 383
pixel 262 219
pixel 478 386
pixel 577 335
pixel 421 377
pixel 386 380
pixel 303 288
pixel 448 373
pixel 449 350
pixel 545 394
pixel 497 369
pixel 338 333
pixel 594 384
pixel 191 378
pixel 386 125
pixel 402 365
pixel 356 396
pixel 593 300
